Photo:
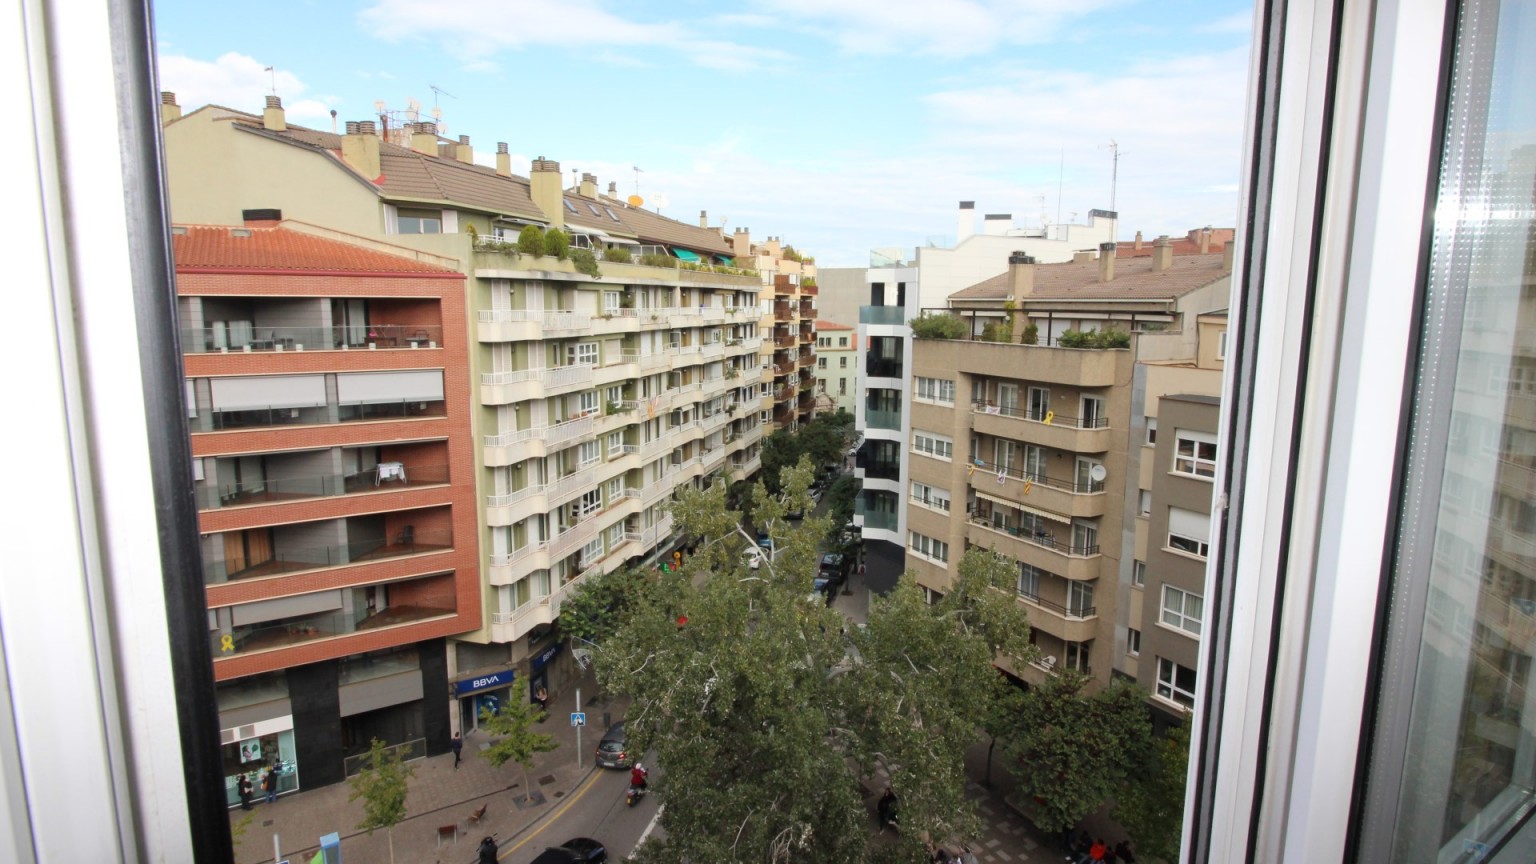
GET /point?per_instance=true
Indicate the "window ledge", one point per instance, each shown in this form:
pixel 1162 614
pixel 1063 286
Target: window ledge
pixel 1187 476
pixel 1177 706
pixel 1182 554
pixel 1172 629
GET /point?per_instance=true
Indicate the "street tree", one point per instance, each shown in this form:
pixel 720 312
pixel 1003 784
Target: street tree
pixel 383 784
pixel 1072 751
pixel 513 737
pixel 1151 806
pixel 771 721
pixel 602 603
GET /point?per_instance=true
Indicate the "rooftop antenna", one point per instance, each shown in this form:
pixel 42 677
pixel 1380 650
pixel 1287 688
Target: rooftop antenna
pixel 637 179
pixel 273 70
pixel 635 200
pixel 438 91
pixel 1114 171
pixel 1061 172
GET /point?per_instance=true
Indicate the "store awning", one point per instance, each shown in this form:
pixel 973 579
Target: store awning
pixel 685 255
pixel 1044 514
pixel 726 260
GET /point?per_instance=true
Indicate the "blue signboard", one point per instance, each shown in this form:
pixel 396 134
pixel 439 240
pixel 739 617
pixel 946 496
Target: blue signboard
pixel 484 682
pixel 578 718
pixel 542 659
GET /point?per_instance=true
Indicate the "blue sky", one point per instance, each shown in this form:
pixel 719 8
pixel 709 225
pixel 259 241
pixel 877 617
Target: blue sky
pixel 838 125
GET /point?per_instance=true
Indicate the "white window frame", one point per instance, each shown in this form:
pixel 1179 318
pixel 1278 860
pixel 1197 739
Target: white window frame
pixel 1138 573
pixel 936 391
pixel 588 453
pixel 587 403
pixel 1167 684
pixel 586 504
pixel 1174 610
pixel 933 445
pixel 1198 459
pixel 582 354
pixel 1132 642
pixel 927 547
pixel 930 497
pixel 590 553
pixel 1028 583
pixel 1151 431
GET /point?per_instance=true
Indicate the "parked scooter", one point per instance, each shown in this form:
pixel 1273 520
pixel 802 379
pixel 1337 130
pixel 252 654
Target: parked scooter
pixel 488 850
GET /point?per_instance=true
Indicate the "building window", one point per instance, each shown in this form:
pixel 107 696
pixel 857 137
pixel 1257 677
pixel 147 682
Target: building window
pixel 582 354
pixel 1194 453
pixel 821 362
pixel 928 496
pixel 1077 656
pixel 1138 573
pixel 933 445
pixel 587 504
pixel 1145 502
pixel 842 386
pixel 615 394
pixel 587 453
pixel 419 221
pixel 615 489
pixel 586 403
pixel 1175 683
pixel 842 341
pixel 940 390
pixel 927 547
pixel 1029 582
pixel 1182 610
pixel 842 362
pixel 1151 430
pixel 1189 532
pixel 1133 642
pixel 590 554
pixel 1221 345
pixel 612 300
pixel 615 534
pixel 615 442
pixel 1080 599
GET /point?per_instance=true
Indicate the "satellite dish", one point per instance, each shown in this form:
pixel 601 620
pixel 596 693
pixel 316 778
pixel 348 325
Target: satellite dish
pixel 659 201
pixel 636 201
pixel 1097 473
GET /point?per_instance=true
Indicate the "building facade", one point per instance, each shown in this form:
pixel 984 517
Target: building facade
pixel 329 405
pixel 837 365
pixel 883 419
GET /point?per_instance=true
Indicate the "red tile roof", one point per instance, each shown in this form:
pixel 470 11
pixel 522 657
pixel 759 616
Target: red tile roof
pixel 824 324
pixel 221 247
pixel 1189 244
pixel 1134 280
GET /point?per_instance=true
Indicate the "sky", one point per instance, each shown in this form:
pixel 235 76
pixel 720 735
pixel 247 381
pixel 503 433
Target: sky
pixel 836 125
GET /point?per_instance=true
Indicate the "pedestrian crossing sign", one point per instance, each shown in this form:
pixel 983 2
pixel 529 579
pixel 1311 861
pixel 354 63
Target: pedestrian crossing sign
pixel 578 718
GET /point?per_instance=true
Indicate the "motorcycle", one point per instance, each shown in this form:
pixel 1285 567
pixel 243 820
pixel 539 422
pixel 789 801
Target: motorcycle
pixel 488 851
pixel 633 794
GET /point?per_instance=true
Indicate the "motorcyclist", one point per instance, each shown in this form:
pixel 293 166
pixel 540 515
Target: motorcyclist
pixel 637 776
pixel 488 851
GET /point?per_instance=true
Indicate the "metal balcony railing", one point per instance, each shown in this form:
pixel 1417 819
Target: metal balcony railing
pixel 1040 416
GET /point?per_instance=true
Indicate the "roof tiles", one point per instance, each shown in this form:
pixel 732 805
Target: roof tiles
pixel 1134 279
pixel 219 247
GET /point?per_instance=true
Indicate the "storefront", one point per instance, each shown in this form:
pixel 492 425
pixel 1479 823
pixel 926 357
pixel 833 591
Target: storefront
pixel 482 693
pixel 539 671
pixel 252 749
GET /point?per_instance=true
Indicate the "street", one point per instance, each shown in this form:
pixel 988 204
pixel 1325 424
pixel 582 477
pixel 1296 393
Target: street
pixel 597 810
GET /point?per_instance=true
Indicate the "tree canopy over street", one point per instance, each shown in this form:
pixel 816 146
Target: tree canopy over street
pixel 771 720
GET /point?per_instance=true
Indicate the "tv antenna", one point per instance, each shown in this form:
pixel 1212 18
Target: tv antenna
pixel 273 70
pixel 1114 170
pixel 438 91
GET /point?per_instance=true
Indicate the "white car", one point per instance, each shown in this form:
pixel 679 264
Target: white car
pixel 754 557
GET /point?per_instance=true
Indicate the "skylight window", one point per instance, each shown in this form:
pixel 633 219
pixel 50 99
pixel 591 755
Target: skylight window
pixel 611 214
pixel 595 211
pixel 569 206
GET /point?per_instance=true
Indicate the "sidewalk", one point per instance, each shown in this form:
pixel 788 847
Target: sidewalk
pixel 440 796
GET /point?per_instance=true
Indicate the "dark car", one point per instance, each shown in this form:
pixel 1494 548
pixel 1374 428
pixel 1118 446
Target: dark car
pixel 612 751
pixel 577 850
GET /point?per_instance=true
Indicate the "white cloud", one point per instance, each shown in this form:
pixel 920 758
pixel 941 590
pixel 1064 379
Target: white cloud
pixel 1240 22
pixel 951 28
pixel 465 29
pixel 239 82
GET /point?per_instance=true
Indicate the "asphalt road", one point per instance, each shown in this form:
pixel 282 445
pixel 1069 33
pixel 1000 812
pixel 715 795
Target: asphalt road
pixel 597 810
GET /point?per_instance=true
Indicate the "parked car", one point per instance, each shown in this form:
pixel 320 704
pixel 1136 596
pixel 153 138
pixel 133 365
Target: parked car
pixel 831 574
pixel 764 541
pixel 577 850
pixel 754 557
pixel 612 750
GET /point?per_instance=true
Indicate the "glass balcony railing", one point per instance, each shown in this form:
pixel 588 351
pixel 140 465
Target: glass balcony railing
pixel 311 415
pixel 276 490
pixel 882 315
pixel 288 632
pixel 289 559
pixel 883 367
pixel 875 419
pixel 206 340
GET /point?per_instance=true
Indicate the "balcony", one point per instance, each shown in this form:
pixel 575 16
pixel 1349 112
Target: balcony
pixel 1063 622
pixel 876 518
pixel 1047 429
pixel 1039 548
pixel 297 630
pixel 883 367
pixel 782 313
pixel 300 486
pixel 246 338
pixel 1073 367
pixel 888 420
pixel 283 558
pixel 516 325
pixel 785 340
pixel 882 315
pixel 1085 499
pixel 807 358
pixel 311 415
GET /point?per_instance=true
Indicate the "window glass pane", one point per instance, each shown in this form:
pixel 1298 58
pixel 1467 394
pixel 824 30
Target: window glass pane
pixel 1467 748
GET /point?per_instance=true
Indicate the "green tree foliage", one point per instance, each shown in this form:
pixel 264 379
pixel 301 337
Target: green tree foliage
pixel 1073 751
pixel 383 785
pixel 938 325
pixel 996 331
pixel 651 259
pixel 602 603
pixel 558 244
pixel 824 440
pixel 530 241
pixel 511 730
pixel 1151 807
pixel 840 499
pixel 770 720
pixel 586 263
pixel 617 255
pixel 1031 334
pixel 1111 338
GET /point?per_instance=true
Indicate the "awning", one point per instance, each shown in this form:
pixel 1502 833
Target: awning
pixel 1044 514
pixel 726 260
pixel 623 241
pixel 685 255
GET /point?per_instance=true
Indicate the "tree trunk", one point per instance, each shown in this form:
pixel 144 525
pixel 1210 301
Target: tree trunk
pixel 990 744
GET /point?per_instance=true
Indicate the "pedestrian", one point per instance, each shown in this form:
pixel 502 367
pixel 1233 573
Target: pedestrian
pixel 542 698
pixel 887 808
pixel 456 744
pixel 1097 850
pixel 245 791
pixel 269 784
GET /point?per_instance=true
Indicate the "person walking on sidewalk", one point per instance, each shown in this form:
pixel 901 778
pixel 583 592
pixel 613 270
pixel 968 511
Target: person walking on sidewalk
pixel 456 744
pixel 245 791
pixel 269 784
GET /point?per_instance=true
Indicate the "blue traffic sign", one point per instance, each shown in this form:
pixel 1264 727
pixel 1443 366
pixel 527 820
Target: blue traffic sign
pixel 578 718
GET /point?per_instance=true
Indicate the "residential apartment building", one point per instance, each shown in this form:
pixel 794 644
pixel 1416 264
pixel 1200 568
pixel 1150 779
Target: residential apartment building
pixel 596 393
pixel 837 365
pixel 329 404
pixel 789 329
pixel 1024 447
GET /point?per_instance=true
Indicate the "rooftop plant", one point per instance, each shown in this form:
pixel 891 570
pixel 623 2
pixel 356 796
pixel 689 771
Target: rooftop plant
pixel 938 325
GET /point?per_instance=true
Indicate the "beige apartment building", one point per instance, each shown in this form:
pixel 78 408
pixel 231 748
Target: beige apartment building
pixel 789 328
pixel 592 396
pixel 837 365
pixel 1025 441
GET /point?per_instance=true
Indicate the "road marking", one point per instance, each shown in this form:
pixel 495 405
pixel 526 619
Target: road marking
pixel 553 817
pixel 646 833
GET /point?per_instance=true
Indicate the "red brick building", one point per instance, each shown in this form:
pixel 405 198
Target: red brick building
pixel 329 410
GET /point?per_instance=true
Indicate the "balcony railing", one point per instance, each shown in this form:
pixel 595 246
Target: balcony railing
pixel 278 490
pixel 290 559
pixel 884 520
pixel 882 470
pixel 883 367
pixel 882 315
pixel 296 631
pixel 876 419
pixel 308 415
pixel 201 340
pixel 1075 487
pixel 548 319
pixel 1039 416
pixel 1039 538
pixel 1064 611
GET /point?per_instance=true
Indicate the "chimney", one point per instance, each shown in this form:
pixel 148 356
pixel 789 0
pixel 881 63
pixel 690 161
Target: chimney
pixel 1082 256
pixel 1162 254
pixel 967 225
pixel 544 187
pixel 1021 275
pixel 613 188
pixel 360 148
pixel 424 138
pixel 1227 255
pixel 1106 262
pixel 272 118
pixel 703 219
pixel 463 152
pixel 741 241
pixel 588 185
pixel 503 159
pixel 170 112
pixel 1205 240
pixel 996 224
pixel 1137 247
